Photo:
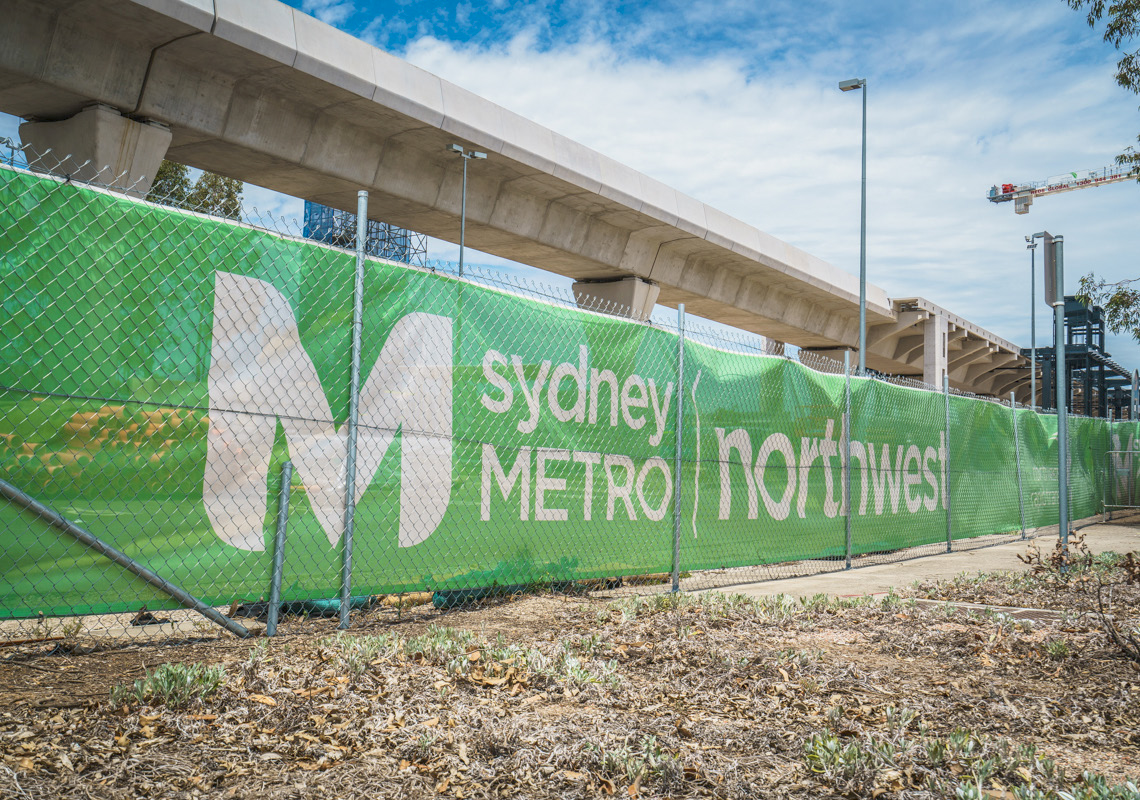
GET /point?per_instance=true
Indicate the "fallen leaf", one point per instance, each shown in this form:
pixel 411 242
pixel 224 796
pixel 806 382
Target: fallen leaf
pixel 265 700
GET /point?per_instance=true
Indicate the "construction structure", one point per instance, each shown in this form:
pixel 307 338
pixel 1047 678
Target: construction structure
pixel 1097 385
pixel 382 240
pixel 1023 194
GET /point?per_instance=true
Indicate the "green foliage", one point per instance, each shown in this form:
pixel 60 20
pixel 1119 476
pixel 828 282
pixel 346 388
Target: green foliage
pixel 210 194
pixel 171 185
pixel 1120 301
pixel 1121 25
pixel 213 194
pixel 643 759
pixel 172 685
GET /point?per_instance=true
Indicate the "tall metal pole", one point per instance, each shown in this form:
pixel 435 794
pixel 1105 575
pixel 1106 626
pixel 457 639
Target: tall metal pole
pixel 1032 324
pixel 677 451
pixel 463 216
pixel 1062 395
pixel 863 248
pixel 946 465
pixel 847 453
pixel 353 411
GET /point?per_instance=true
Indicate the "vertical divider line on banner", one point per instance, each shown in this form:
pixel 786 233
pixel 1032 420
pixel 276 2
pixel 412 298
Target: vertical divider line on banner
pixel 847 452
pixel 946 478
pixel 1017 460
pixel 353 411
pixel 677 458
pixel 279 549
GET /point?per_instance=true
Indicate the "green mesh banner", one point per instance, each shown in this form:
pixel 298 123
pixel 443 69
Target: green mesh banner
pixel 157 369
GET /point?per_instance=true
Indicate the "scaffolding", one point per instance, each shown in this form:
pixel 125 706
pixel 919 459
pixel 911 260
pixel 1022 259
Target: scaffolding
pixel 338 228
pixel 1097 384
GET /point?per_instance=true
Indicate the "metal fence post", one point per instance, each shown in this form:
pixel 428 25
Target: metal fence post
pixel 353 410
pixel 847 451
pixel 677 454
pixel 1017 455
pixel 1062 371
pixel 279 549
pixel 946 465
pixel 82 535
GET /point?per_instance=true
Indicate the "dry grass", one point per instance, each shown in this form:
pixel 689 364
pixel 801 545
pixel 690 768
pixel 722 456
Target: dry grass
pixel 660 696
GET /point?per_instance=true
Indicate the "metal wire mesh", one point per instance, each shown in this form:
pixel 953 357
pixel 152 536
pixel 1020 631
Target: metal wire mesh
pixel 162 369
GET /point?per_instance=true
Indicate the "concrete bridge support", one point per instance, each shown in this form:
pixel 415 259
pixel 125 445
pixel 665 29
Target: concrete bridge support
pixel 100 145
pixel 934 351
pixel 628 297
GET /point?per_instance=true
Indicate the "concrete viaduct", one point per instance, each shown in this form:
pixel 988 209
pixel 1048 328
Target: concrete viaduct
pixel 256 90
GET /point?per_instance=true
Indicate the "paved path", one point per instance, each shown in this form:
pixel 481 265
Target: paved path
pixel 879 579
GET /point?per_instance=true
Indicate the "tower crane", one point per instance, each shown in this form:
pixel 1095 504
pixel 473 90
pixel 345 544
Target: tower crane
pixel 1023 194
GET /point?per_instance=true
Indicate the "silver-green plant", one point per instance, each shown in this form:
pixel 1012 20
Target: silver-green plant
pixel 172 685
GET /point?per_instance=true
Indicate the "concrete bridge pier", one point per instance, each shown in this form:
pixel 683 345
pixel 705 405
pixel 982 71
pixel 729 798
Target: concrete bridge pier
pixel 99 145
pixel 935 352
pixel 627 297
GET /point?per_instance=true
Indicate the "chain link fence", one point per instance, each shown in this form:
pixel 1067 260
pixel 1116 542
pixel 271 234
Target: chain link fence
pixel 222 416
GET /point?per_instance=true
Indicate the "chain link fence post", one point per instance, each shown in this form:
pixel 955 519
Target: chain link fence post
pixel 279 549
pixel 847 452
pixel 353 410
pixel 949 518
pixel 1017 458
pixel 677 461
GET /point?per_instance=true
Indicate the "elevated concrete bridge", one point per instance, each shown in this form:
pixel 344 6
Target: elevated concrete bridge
pixel 256 90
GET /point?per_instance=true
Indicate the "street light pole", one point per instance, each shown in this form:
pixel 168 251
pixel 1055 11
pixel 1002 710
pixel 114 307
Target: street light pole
pixel 1032 247
pixel 466 155
pixel 847 86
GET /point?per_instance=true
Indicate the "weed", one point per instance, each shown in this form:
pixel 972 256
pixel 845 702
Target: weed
pixel 173 685
pixel 1057 649
pixel 643 760
pixel 962 765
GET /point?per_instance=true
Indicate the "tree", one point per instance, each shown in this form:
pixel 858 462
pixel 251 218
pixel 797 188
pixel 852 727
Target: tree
pixel 171 185
pixel 1122 24
pixel 1121 19
pixel 213 194
pixel 210 194
pixel 1121 302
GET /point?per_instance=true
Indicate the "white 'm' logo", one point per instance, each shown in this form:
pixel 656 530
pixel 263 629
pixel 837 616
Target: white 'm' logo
pixel 260 373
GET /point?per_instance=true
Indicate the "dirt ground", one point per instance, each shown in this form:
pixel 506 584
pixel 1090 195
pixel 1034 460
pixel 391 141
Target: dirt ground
pixel 598 696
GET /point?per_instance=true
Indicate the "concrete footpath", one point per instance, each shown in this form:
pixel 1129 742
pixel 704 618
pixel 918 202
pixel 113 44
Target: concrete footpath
pixel 880 578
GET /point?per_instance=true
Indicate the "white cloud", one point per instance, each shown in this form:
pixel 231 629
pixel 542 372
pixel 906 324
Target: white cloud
pixel 1014 95
pixel 333 12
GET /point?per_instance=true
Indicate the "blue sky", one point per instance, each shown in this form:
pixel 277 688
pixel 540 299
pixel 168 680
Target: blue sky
pixel 736 104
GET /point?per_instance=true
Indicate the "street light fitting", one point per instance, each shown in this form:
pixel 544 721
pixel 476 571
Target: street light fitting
pixel 467 154
pixel 851 85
